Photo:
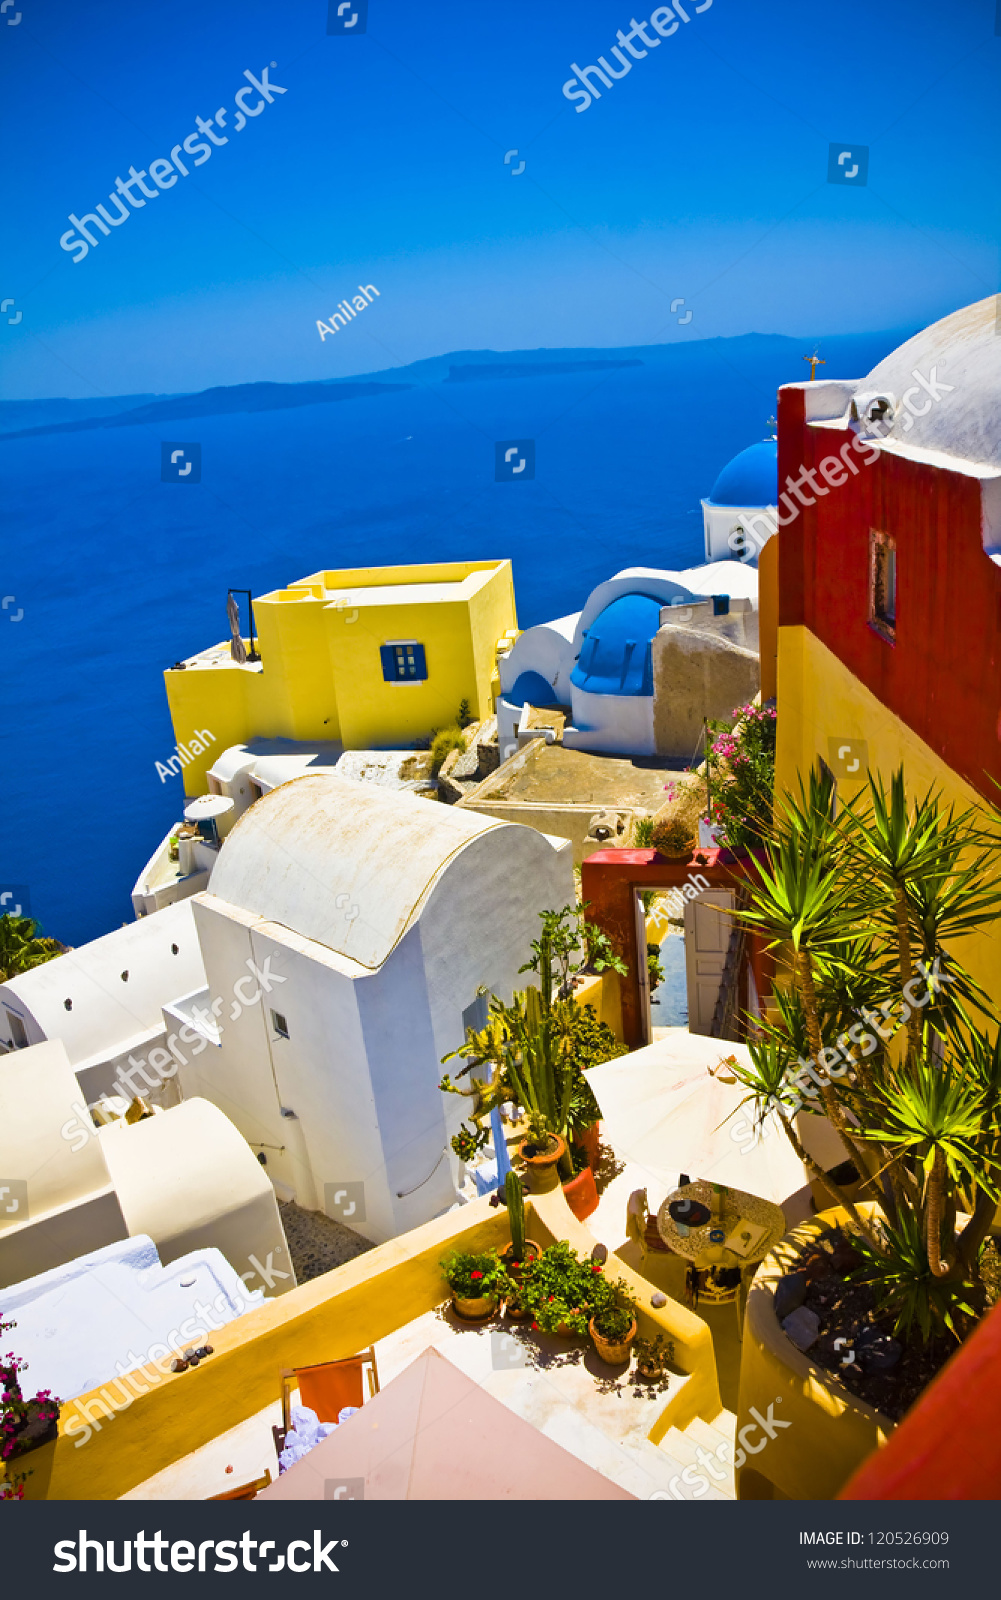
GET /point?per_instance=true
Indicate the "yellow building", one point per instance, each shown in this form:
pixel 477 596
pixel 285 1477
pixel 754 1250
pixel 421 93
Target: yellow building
pixel 889 579
pixel 373 657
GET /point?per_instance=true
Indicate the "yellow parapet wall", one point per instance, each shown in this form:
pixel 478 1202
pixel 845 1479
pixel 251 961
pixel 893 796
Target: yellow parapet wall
pixel 821 703
pixel 321 674
pixel 821 1431
pixel 108 1444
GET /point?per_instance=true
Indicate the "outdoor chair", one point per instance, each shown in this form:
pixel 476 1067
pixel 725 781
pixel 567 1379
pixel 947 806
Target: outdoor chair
pixel 245 1491
pixel 327 1388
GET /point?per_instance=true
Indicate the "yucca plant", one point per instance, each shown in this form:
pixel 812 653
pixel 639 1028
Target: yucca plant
pixel 881 1028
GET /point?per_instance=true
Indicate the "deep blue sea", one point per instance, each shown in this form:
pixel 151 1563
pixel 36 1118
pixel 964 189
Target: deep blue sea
pixel 118 574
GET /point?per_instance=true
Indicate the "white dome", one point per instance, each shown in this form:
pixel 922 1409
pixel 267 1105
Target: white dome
pixel 963 352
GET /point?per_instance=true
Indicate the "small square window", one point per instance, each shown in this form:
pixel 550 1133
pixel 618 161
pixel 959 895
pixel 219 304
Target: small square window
pixel 883 584
pixel 403 661
pixel 279 1024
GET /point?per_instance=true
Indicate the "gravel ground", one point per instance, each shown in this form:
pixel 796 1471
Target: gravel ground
pixel 317 1243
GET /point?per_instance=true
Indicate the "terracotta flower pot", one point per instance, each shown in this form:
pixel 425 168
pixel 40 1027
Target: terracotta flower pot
pixel 649 1371
pixel 541 1164
pixel 587 1140
pixel 515 1268
pixel 477 1310
pixel 614 1353
pixel 581 1194
pixel 517 1312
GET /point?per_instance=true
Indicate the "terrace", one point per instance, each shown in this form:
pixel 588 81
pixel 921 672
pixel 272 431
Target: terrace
pixel 176 1440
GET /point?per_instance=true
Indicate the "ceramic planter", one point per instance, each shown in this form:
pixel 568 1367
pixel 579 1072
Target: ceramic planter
pixel 513 1268
pixel 829 1431
pixel 477 1310
pixel 614 1352
pixel 581 1194
pixel 587 1140
pixel 541 1165
pixel 649 1371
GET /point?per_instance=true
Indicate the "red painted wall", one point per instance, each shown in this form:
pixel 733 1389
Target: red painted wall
pixel 948 1446
pixel 609 882
pixel 942 677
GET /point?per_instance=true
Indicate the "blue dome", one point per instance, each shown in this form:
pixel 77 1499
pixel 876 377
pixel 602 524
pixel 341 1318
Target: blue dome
pixel 750 479
pixel 615 655
pixel 533 688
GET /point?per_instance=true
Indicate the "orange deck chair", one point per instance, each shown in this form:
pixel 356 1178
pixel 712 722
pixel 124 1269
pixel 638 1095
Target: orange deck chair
pixel 327 1388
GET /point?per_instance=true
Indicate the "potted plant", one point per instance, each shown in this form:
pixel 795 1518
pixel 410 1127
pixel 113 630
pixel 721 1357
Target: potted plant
pixel 613 1329
pixel 477 1283
pixel 521 1250
pixel 561 1291
pixel 652 1356
pixel 535 1050
pixel 672 838
pixel 880 1029
pixel 25 1425
pixel 542 1151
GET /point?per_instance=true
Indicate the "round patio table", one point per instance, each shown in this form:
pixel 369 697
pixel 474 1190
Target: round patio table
pixel 742 1230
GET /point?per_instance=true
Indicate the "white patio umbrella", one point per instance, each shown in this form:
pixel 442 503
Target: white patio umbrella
pixel 663 1112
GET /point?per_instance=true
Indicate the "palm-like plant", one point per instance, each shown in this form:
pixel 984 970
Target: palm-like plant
pixel 861 907
pixel 22 948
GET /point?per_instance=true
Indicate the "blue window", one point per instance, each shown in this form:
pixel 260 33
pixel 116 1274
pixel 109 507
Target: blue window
pixel 403 662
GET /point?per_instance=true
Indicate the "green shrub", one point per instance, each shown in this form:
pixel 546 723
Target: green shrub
pixel 643 833
pixel 672 836
pixel 473 1276
pixel 560 1290
pixel 445 741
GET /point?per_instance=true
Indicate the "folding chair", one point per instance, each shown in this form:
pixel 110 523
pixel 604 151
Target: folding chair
pixel 245 1491
pixel 327 1388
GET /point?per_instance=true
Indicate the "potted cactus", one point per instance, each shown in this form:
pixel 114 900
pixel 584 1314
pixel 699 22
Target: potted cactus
pixel 520 1251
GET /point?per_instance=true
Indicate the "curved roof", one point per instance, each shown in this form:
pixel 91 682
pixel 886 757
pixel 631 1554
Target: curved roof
pixel 615 654
pixel 344 864
pixel 750 479
pixel 116 985
pixel 534 688
pixel 963 352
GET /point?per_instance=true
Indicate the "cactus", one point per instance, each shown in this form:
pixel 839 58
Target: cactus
pixel 514 1196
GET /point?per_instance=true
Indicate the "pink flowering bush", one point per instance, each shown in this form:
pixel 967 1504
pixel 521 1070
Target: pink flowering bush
pixel 23 1423
pixel 742 776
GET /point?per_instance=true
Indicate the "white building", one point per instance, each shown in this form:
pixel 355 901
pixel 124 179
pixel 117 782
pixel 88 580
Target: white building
pixel 104 1001
pixel 740 513
pixel 183 1178
pixel 372 924
pixel 598 663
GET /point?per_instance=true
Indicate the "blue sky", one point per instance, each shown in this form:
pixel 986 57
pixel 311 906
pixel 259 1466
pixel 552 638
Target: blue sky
pixel 702 174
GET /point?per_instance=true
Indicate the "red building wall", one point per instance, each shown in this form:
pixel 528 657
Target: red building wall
pixel 942 676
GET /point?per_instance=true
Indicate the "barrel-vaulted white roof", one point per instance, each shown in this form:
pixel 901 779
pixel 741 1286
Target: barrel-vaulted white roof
pixel 963 421
pixel 115 985
pixel 349 865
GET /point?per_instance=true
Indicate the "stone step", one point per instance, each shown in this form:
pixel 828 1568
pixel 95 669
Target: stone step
pixel 685 1447
pixel 722 1430
pixel 642 1468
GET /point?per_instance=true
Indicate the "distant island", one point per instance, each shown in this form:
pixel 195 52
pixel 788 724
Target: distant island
pixel 530 369
pixel 219 402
